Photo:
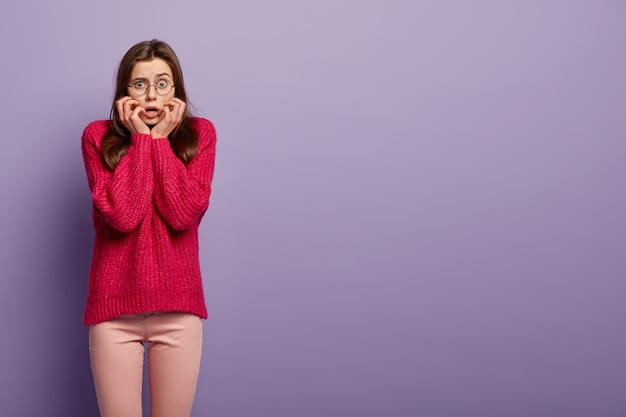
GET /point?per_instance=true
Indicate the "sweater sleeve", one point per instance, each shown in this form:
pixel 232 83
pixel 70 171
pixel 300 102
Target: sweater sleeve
pixel 181 193
pixel 122 197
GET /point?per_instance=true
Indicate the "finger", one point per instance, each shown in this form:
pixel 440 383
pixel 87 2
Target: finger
pixel 131 105
pixel 135 110
pixel 123 99
pixel 169 106
pixel 178 108
pixel 174 115
pixel 134 117
pixel 124 106
pixel 122 102
pixel 179 104
pixel 179 114
pixel 119 104
pixel 167 112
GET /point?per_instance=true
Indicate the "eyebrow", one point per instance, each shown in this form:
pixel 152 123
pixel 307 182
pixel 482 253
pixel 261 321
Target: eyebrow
pixel 158 75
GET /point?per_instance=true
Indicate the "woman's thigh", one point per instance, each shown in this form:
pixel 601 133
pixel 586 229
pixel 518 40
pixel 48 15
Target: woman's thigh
pixel 173 362
pixel 116 353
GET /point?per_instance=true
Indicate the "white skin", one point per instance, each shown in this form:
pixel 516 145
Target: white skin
pixel 151 113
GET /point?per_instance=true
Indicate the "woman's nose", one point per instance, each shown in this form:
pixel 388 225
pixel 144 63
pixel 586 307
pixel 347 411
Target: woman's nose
pixel 151 93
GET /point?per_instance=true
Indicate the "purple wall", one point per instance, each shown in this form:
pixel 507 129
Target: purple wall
pixel 418 207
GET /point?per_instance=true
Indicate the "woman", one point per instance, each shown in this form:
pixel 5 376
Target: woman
pixel 149 169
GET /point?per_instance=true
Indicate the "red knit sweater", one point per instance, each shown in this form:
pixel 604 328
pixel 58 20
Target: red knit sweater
pixel 146 214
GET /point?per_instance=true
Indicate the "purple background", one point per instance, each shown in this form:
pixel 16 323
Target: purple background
pixel 418 206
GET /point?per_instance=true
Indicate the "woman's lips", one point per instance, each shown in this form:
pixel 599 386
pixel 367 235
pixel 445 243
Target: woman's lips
pixel 152 112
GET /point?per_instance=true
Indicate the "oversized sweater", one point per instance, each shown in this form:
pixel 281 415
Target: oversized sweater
pixel 146 214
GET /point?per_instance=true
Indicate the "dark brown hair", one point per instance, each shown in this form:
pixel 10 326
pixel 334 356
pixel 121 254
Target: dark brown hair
pixel 183 140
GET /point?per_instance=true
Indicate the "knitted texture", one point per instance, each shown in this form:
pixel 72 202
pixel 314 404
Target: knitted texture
pixel 146 214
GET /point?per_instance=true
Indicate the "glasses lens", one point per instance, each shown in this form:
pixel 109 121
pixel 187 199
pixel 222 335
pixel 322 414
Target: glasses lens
pixel 139 87
pixel 163 87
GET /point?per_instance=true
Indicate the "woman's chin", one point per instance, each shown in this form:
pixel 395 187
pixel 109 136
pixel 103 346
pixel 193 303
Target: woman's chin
pixel 151 122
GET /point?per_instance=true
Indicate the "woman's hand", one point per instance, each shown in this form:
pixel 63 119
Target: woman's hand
pixel 129 111
pixel 173 112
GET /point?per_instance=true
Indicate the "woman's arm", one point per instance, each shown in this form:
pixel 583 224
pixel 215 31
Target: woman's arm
pixel 181 193
pixel 122 196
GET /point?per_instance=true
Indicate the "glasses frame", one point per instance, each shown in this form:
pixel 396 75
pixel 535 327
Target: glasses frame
pixel 155 89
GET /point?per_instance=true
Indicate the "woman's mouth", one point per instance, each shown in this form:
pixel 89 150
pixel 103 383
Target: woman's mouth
pixel 152 112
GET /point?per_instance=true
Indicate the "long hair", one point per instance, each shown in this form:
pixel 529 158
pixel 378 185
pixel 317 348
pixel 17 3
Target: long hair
pixel 183 140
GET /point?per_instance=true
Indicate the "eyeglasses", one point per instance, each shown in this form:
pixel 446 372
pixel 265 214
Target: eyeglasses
pixel 140 87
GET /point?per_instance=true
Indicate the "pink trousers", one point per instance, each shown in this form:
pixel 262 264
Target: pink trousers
pixel 117 351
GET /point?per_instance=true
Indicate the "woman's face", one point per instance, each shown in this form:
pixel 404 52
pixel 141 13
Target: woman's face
pixel 156 76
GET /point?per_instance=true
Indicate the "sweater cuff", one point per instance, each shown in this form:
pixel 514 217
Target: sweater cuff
pixel 163 146
pixel 140 140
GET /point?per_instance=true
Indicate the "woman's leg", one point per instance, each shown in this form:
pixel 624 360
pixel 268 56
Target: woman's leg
pixel 117 365
pixel 173 362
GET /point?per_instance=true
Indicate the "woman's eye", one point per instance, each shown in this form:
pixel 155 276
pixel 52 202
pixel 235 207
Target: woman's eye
pixel 140 84
pixel 162 84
